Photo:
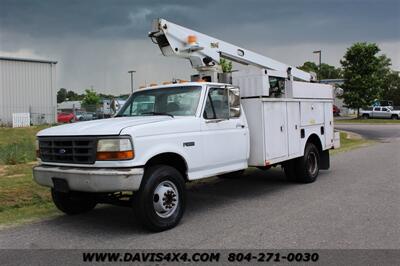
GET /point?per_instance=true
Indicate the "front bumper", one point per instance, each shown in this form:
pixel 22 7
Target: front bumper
pixel 90 180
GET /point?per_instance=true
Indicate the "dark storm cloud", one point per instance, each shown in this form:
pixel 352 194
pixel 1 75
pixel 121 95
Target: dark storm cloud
pixel 96 42
pixel 301 20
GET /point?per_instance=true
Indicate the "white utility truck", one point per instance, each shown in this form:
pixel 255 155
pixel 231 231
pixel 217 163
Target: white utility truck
pixel 167 135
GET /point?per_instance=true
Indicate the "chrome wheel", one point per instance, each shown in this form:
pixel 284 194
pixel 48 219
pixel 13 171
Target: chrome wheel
pixel 165 199
pixel 312 163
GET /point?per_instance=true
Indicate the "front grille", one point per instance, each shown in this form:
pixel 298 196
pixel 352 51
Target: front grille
pixel 76 150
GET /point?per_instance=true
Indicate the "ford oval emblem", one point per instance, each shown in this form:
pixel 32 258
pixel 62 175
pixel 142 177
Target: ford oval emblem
pixel 62 151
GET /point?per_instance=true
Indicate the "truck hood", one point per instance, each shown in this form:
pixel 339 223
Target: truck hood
pixel 101 127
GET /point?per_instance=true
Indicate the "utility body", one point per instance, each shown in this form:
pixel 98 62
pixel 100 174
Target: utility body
pixel 164 136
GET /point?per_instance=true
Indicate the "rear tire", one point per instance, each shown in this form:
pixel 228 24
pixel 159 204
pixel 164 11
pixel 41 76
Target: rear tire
pixel 73 202
pixel 365 116
pixel 160 202
pixel 308 165
pixel 304 169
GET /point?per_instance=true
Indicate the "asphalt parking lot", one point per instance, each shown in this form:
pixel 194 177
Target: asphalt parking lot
pixel 353 205
pixel 382 132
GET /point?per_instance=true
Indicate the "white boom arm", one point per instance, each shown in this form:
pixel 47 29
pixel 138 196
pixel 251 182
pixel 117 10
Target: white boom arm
pixel 202 49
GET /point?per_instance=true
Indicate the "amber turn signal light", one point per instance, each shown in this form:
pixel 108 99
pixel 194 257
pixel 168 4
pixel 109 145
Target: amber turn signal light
pixel 114 155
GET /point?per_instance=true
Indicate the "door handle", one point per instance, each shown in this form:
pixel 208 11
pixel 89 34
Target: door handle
pixel 239 125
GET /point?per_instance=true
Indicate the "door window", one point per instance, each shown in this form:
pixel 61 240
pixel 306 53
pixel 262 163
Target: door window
pixel 222 103
pixel 217 106
pixel 377 109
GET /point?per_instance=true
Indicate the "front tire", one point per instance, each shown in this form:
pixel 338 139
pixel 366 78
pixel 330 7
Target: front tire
pixel 160 202
pixel 395 117
pixel 72 203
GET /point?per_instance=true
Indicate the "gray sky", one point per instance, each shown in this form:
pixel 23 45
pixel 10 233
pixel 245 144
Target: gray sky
pixel 97 42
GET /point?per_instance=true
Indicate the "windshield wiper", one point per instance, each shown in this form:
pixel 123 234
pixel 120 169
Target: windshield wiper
pixel 157 113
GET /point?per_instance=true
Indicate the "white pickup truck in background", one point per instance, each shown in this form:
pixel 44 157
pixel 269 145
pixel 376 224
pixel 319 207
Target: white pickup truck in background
pixel 165 136
pixel 380 112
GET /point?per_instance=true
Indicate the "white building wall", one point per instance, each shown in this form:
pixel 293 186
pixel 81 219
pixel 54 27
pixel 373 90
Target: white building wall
pixel 28 87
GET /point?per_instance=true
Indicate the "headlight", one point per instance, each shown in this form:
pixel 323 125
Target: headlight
pixel 114 149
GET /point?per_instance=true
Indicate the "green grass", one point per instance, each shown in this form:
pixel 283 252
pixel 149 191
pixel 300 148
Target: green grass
pixel 17 145
pixel 347 144
pixel 21 199
pixel 366 121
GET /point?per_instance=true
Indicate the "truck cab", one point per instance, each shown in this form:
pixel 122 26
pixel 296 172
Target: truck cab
pixel 194 129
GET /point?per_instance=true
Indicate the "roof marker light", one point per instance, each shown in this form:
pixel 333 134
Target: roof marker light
pixel 192 40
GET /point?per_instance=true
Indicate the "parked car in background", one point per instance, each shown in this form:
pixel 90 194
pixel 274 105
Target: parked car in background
pixel 84 116
pixel 380 112
pixel 66 118
pixel 336 110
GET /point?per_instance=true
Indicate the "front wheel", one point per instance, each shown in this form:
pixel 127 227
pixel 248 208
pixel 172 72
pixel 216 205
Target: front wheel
pixel 73 202
pixel 160 201
pixel 395 117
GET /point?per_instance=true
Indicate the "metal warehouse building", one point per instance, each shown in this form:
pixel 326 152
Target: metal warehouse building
pixel 28 86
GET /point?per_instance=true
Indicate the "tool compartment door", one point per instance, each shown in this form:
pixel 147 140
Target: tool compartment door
pixel 293 128
pixel 275 132
pixel 312 113
pixel 328 132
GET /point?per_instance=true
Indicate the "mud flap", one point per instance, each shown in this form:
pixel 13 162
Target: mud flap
pixel 325 161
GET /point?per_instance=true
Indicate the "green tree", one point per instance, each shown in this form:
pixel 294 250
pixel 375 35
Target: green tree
pixel 391 91
pixel 106 96
pixel 226 65
pixel 61 95
pixel 327 71
pixel 364 74
pixel 90 100
pixel 73 96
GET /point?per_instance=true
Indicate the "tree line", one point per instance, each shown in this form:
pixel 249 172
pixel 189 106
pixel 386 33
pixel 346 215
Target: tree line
pixel 366 73
pixel 89 97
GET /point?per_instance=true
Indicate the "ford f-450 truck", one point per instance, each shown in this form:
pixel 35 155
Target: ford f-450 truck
pixel 165 136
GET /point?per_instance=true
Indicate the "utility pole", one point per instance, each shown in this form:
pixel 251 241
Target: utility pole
pixel 319 63
pixel 131 72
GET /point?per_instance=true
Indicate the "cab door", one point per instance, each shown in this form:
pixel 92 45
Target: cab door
pixel 376 113
pixel 385 112
pixel 224 130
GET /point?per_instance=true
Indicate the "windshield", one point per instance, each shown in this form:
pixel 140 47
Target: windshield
pixel 174 101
